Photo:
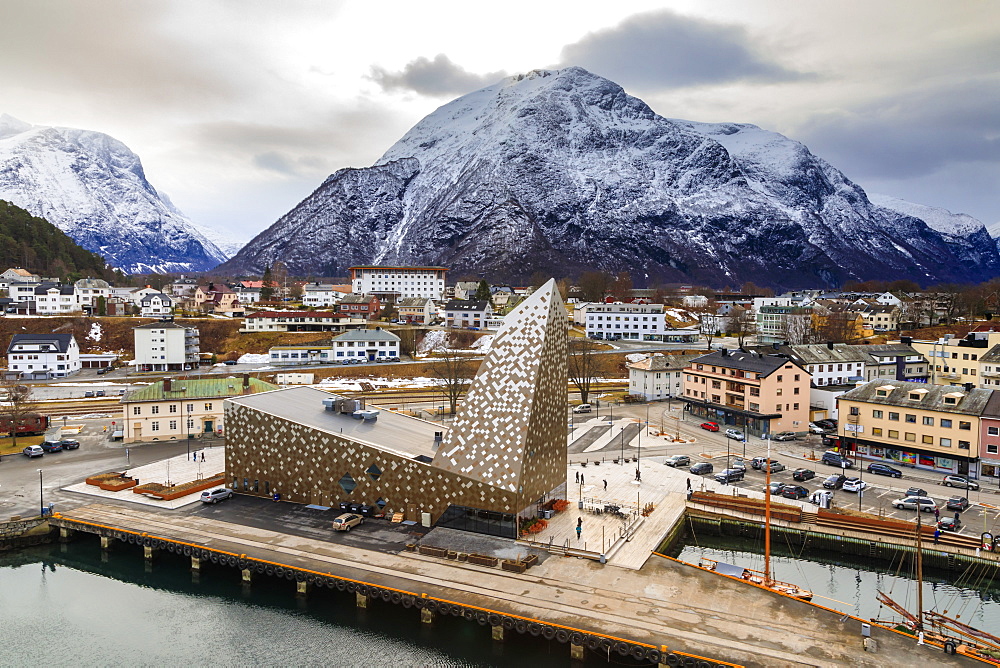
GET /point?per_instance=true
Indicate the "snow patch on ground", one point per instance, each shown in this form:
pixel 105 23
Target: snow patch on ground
pixel 95 332
pixel 354 385
pixel 253 358
pixel 483 343
pixel 636 357
pixel 434 340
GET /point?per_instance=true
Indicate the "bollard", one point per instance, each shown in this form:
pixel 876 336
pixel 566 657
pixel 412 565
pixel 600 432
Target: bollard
pixel 576 652
pixel 498 632
pixel 362 599
pixel 247 575
pixel 426 616
pixel 663 657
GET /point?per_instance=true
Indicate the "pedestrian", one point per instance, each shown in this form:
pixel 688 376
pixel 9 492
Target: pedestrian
pixel 581 479
pixel 579 522
pixel 688 481
pixel 579 532
pixel 937 513
pixel 937 534
pixel 605 485
pixel 638 475
pixel 578 477
pixel 202 455
pixel 956 520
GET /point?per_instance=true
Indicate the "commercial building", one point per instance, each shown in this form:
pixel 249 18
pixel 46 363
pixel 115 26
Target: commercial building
pixel 757 393
pixel 298 321
pixel 181 408
pixel 42 356
pixel 956 361
pixel 504 454
pixel 989 438
pixel 360 345
pixel 392 283
pixel 926 426
pixel 166 346
pixel 636 322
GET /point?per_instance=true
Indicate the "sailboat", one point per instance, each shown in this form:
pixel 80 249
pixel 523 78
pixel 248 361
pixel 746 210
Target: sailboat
pixel 762 578
pixel 935 626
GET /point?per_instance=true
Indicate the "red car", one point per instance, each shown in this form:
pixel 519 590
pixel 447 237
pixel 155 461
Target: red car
pixel 710 426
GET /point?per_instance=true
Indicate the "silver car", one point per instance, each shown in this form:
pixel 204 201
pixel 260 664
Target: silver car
pixel 678 460
pixel 33 451
pixel 923 503
pixel 216 495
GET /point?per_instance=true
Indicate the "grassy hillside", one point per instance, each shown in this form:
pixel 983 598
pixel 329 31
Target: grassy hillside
pixel 42 248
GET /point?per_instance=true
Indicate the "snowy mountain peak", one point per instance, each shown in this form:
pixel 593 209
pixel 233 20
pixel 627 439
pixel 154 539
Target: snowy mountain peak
pixel 93 188
pixel 562 171
pixel 942 220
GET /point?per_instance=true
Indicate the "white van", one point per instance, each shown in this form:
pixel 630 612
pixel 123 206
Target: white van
pixel 582 408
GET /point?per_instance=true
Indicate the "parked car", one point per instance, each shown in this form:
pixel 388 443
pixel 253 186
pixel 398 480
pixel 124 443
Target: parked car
pixel 230 362
pixel 709 426
pixel 836 481
pixel 730 475
pixel 121 393
pixel 923 503
pixel 216 495
pixel 816 429
pixel 801 475
pixel 854 485
pixel 794 492
pixel 582 408
pixel 785 436
pixel 774 488
pixel 33 451
pixel 678 460
pixel 758 462
pixel 347 521
pixel 836 459
pixel 103 370
pixel 884 469
pixel 52 446
pixel 776 466
pixel 69 444
pixel 915 491
pixel 958 503
pixel 738 463
pixel 950 524
pixel 702 468
pixel 88 394
pixel 99 393
pixel 827 424
pixel 960 481
pixel 734 433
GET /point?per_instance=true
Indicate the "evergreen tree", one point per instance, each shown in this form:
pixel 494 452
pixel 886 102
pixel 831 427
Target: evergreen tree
pixel 267 286
pixel 483 291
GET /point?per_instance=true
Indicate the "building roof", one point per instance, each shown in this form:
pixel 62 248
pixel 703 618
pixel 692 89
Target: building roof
pixel 466 305
pixel 744 361
pixel 60 341
pixel 375 266
pixel 992 355
pixel 971 402
pixel 821 353
pixel 357 299
pixel 198 388
pixel 992 408
pixel 398 434
pixel 146 299
pixel 92 284
pixel 20 272
pixel 377 334
pixel 663 363
pixel 317 287
pixel 296 314
pixel 162 325
pixel 45 287
pixel 890 350
pixel 413 302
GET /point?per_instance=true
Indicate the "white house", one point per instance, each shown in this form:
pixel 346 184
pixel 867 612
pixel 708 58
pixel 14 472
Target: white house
pixel 166 346
pixel 694 301
pixel 658 377
pixel 416 309
pixel 366 344
pixel 392 283
pixel 157 305
pixel 88 291
pixel 55 300
pixel 638 322
pixel 41 356
pixel 318 295
pixel 466 313
pixel 298 321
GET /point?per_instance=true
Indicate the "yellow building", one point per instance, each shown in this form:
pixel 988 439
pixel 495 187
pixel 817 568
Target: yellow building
pixel 754 392
pixel 956 361
pixel 929 427
pixel 179 408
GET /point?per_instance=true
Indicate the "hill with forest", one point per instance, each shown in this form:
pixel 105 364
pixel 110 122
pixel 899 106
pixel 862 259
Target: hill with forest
pixel 42 248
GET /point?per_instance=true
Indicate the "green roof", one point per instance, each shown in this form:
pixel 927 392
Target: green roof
pixel 200 388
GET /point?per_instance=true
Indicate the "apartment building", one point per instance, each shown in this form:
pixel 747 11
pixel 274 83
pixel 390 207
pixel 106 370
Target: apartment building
pixel 392 283
pixel 895 361
pixel 635 322
pixel 955 361
pixel 166 346
pixel 659 376
pixel 755 392
pixel 298 321
pixel 42 356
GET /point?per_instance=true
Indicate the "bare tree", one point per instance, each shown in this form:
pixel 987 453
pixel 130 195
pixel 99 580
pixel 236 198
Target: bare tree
pixel 595 285
pixel 585 365
pixel 21 405
pixel 744 325
pixel 453 372
pixel 408 340
pixel 796 328
pixel 621 289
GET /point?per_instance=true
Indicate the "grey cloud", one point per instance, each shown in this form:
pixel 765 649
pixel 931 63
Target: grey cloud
pixel 663 49
pixel 434 77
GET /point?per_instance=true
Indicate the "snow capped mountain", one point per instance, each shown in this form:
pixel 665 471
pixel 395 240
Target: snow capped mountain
pixel 562 171
pixel 92 187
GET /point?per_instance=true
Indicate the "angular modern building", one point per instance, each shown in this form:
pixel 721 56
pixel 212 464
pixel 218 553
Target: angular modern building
pixel 505 452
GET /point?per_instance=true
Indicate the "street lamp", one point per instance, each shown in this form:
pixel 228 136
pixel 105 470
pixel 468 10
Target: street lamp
pixel 41 492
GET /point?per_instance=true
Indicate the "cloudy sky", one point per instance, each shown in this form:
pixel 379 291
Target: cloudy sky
pixel 240 108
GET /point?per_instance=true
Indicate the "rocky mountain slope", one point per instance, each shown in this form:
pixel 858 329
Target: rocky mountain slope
pixel 92 187
pixel 562 171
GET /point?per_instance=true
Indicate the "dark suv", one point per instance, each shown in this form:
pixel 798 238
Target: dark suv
pixel 730 475
pixel 701 468
pixel 837 459
pixel 52 446
pixel 884 469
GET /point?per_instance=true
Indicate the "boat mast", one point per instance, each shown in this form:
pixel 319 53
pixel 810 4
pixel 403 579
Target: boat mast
pixel 767 515
pixel 920 577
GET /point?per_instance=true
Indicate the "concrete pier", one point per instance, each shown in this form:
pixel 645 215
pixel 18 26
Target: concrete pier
pixel 662 603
